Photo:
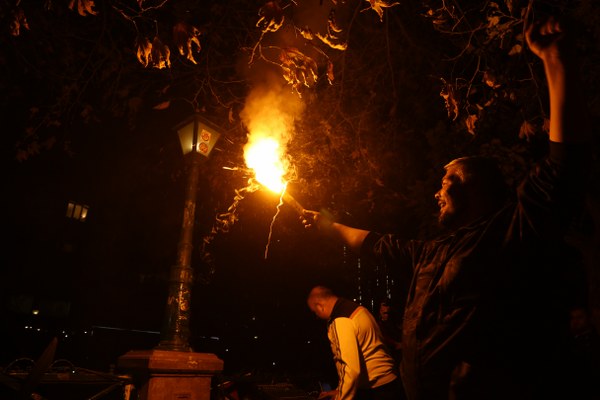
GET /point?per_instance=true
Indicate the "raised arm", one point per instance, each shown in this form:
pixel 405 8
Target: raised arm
pixel 553 44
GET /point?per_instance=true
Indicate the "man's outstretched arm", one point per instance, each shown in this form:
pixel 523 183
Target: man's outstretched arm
pixel 351 237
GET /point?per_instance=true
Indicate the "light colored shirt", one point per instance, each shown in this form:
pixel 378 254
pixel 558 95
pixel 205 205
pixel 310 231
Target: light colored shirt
pixel 361 358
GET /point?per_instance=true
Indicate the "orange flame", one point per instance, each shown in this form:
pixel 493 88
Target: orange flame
pixel 269 114
pixel 263 155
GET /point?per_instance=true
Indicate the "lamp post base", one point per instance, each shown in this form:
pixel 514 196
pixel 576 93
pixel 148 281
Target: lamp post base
pixel 167 375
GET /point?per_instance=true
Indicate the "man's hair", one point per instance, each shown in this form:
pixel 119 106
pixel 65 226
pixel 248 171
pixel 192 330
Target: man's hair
pixel 321 293
pixel 483 174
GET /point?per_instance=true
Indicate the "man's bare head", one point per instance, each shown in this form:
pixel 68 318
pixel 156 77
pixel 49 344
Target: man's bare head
pixel 321 300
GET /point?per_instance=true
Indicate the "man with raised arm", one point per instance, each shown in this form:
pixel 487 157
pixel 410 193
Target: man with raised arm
pixel 484 312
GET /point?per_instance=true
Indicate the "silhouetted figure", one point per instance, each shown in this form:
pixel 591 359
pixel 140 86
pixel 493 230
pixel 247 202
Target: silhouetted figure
pixel 585 353
pixel 391 329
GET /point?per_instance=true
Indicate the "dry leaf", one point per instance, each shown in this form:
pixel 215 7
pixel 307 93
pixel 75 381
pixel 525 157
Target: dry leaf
pixel 144 50
pixel 490 80
pixel 84 7
pixel 452 104
pixel 493 20
pixel 298 68
pixel 330 75
pixel 331 24
pixel 527 130
pixel 306 33
pixel 516 49
pixel 510 6
pixel 546 125
pixel 186 38
pixel 162 106
pixel 471 123
pixel 17 22
pixel 330 43
pixel 271 17
pixel 379 5
pixel 160 55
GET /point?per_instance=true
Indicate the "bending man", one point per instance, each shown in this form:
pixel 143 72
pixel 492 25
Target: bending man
pixel 366 369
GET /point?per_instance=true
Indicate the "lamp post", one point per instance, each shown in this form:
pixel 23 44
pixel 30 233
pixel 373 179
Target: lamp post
pixel 172 369
pixel 197 137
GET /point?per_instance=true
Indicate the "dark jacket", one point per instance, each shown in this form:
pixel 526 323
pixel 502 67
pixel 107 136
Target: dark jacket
pixel 486 311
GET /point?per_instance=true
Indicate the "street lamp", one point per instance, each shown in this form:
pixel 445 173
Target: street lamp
pixel 172 369
pixel 198 137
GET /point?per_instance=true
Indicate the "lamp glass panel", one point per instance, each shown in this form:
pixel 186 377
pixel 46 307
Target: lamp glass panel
pixel 186 137
pixel 70 207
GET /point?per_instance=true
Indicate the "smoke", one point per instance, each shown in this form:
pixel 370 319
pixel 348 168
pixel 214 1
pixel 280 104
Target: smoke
pixel 277 67
pixel 270 110
pixel 272 104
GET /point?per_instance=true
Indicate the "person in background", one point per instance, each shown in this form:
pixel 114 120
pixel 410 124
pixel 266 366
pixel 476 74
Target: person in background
pixel 391 330
pixel 485 314
pixel 365 368
pixel 585 354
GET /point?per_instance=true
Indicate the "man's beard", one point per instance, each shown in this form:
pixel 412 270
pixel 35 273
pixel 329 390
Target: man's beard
pixel 447 219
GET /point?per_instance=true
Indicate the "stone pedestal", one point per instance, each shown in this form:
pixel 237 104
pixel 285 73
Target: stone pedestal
pixel 170 375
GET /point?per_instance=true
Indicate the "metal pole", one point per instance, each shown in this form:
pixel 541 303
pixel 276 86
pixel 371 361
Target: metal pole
pixel 176 329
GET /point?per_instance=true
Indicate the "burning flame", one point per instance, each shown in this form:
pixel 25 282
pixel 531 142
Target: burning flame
pixel 263 155
pixel 269 115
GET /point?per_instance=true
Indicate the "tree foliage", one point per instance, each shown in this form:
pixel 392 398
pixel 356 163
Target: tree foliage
pixel 390 90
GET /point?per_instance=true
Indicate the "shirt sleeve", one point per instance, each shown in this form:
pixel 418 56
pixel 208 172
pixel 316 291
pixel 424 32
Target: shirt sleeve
pixel 347 357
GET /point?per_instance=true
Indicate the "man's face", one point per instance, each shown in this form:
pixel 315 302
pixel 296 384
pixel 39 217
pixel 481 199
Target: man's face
pixel 579 321
pixel 451 197
pixel 384 312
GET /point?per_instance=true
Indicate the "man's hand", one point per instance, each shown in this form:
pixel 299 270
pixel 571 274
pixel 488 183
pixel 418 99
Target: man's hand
pixel 315 219
pixel 546 38
pixel 309 218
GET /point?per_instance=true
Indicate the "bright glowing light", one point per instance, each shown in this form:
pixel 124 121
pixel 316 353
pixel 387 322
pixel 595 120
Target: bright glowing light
pixel 263 155
pixel 269 114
